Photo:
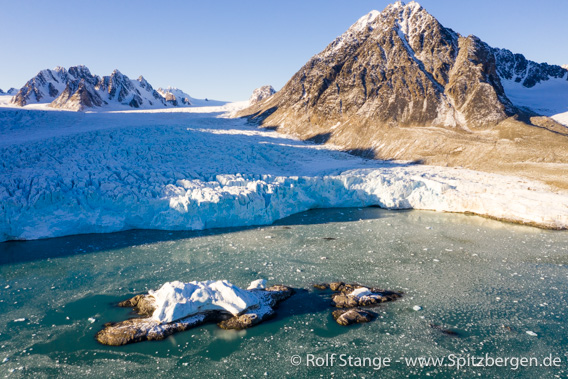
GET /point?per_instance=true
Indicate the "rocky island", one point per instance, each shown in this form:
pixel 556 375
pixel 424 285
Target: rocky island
pixel 178 306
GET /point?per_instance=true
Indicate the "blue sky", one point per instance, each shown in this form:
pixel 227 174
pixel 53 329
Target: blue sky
pixel 225 49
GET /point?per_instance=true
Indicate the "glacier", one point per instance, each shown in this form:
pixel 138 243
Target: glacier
pixel 66 173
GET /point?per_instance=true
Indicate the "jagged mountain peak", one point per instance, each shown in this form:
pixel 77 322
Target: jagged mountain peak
pixel 400 11
pixel 144 83
pixel 79 71
pixel 60 69
pixel 402 7
pixel 77 88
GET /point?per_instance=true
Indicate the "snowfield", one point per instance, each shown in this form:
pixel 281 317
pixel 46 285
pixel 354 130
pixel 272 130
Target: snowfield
pixel 548 98
pixel 67 173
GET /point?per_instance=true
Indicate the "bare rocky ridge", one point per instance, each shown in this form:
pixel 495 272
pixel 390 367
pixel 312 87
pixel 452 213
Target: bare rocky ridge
pixel 399 85
pixel 516 67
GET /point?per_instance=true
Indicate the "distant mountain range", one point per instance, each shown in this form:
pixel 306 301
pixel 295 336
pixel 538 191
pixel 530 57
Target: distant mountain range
pixel 77 89
pixel 399 85
pixel 11 91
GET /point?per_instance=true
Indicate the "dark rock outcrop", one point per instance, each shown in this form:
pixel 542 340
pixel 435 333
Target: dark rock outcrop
pixel 144 329
pixel 142 304
pixel 348 317
pixel 350 297
pixel 272 296
pixel 346 297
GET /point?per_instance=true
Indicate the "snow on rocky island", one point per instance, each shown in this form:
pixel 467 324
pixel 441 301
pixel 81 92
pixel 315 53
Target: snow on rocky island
pixel 178 306
pixel 354 301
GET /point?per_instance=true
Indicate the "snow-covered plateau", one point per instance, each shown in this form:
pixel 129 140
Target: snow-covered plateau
pixel 68 173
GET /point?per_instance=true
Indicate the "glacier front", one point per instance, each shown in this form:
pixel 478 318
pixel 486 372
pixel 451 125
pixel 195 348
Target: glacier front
pixel 65 173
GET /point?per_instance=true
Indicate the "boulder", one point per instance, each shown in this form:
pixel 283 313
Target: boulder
pixel 356 295
pixel 352 316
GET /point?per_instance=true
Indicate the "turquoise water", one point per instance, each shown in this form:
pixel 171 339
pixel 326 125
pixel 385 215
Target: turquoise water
pixel 488 281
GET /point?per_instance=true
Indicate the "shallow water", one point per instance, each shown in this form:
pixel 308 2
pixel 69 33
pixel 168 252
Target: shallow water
pixel 488 281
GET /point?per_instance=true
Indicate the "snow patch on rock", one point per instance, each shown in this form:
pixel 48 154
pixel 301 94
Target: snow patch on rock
pixel 561 118
pixel 176 300
pixel 258 284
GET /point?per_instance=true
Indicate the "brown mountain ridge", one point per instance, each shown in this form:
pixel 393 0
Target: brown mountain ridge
pixel 399 85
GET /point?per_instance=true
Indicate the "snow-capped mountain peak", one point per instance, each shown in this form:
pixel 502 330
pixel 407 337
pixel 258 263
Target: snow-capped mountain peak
pixel 143 82
pixel 175 96
pixel 261 93
pixel 78 89
pixel 401 68
pixel 401 5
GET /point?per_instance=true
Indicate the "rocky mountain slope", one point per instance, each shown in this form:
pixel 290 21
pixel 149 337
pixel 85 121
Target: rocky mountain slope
pixel 77 89
pixel 399 85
